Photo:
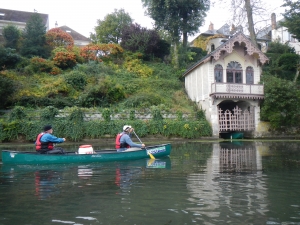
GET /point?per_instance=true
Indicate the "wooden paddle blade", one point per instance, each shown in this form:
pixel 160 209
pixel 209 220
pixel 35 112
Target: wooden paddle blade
pixel 151 156
pixel 150 162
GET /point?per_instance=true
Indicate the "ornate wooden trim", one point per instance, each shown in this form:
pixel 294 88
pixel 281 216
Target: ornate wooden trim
pixel 250 48
pixel 238 96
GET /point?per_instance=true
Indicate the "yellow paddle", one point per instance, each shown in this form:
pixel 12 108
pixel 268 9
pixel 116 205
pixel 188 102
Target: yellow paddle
pixel 151 156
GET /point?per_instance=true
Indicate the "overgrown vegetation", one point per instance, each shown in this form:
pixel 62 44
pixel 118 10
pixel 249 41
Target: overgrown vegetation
pixel 25 124
pixel 282 96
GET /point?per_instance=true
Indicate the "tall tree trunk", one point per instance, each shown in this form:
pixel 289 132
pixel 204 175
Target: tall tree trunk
pixel 184 39
pixel 250 21
pixel 296 76
pixel 175 55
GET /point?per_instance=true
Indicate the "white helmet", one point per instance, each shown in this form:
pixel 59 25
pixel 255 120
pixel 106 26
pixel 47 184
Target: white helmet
pixel 126 127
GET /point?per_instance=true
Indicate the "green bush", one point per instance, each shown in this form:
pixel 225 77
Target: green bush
pixel 106 92
pixel 143 100
pixel 76 79
pixel 7 89
pixel 38 65
pixel 281 104
pixel 48 114
pixel 8 58
pixel 57 101
pixel 94 68
pixel 18 113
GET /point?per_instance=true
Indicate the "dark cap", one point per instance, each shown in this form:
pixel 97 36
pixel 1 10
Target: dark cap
pixel 47 127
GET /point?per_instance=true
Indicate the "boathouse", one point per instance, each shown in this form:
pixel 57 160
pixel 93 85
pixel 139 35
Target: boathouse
pixel 226 84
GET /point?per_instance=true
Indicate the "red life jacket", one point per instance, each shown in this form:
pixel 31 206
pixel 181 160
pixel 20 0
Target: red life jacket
pixel 118 143
pixel 42 145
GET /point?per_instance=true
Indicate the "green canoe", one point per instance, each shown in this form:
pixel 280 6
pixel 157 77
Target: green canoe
pixel 232 135
pixel 18 157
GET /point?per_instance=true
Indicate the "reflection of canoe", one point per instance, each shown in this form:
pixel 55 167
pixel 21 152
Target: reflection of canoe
pixel 233 144
pixel 16 157
pixel 232 135
pixel 161 163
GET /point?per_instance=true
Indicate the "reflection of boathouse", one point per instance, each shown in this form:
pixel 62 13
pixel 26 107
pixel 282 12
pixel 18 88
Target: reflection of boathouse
pixel 238 160
pixel 214 195
pixel 233 158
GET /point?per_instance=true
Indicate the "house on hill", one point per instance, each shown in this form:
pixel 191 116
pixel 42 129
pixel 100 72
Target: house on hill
pixel 216 37
pixel 18 19
pixel 276 32
pixel 79 39
pixel 226 84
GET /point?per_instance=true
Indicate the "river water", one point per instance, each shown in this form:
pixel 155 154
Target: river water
pixel 247 182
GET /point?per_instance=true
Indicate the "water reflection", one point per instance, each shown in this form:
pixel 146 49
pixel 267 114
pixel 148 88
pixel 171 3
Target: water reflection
pixel 46 183
pixel 202 183
pixel 127 175
pixel 84 172
pixel 238 157
pixel 233 180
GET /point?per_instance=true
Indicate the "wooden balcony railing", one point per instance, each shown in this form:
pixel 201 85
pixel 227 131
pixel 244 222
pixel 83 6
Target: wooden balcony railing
pixel 230 89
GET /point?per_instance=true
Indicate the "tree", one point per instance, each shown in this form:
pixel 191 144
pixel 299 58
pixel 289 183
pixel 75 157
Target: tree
pixel 110 29
pixel 281 103
pixel 100 52
pixel 8 58
pixel 7 89
pixel 139 39
pixel 243 12
pixel 177 17
pixel 34 43
pixel 11 36
pixel 283 61
pixel 56 37
pixel 248 13
pixel 292 17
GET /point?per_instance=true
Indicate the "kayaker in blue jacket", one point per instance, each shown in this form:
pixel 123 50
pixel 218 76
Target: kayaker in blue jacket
pixel 45 142
pixel 123 140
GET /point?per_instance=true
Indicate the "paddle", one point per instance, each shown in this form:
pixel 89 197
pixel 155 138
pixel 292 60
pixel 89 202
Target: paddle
pixel 151 156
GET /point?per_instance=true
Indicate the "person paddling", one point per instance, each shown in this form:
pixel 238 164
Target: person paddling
pixel 124 142
pixel 44 143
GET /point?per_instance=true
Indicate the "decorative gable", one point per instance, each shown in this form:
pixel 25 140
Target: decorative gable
pixel 251 49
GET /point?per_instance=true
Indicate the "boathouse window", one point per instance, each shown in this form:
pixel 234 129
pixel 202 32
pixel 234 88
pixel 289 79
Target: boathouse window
pixel 249 75
pixel 212 47
pixel 234 73
pixel 218 73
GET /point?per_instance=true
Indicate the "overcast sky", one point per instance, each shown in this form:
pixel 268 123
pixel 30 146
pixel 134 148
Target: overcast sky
pixel 81 16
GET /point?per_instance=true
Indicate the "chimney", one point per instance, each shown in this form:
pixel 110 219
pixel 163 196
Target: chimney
pixel 273 21
pixel 233 28
pixel 211 26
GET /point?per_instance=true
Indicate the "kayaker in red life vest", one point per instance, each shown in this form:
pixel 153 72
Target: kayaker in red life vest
pixel 123 140
pixel 45 142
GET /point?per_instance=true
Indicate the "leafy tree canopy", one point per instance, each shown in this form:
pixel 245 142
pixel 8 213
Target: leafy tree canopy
pixel 283 61
pixel 139 39
pixel 56 37
pixel 281 104
pixel 11 36
pixel 110 29
pixel 8 58
pixel 292 17
pixel 177 17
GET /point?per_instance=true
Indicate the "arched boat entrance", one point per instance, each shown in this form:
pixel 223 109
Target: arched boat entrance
pixel 235 117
